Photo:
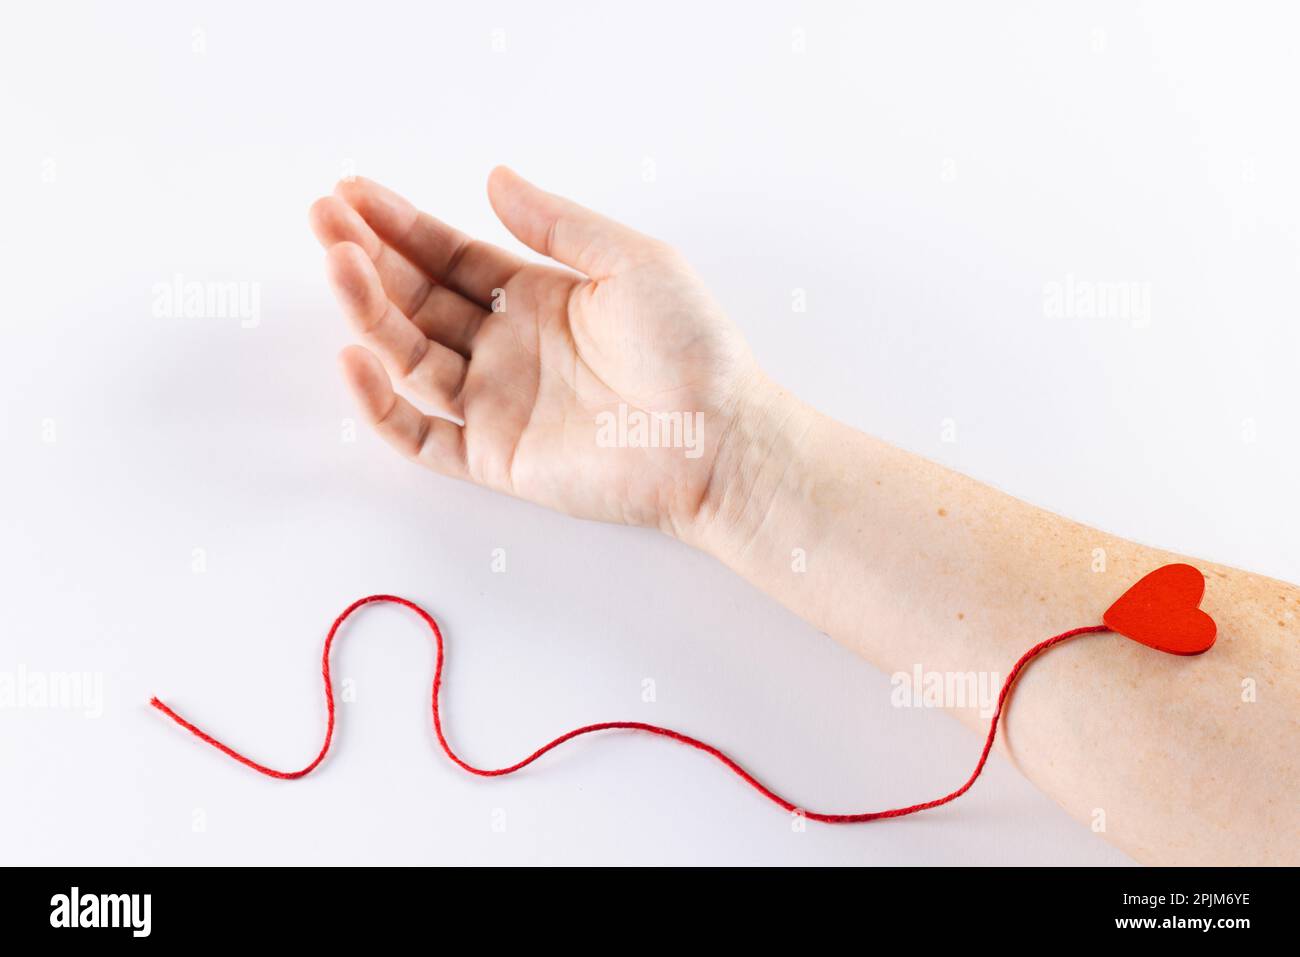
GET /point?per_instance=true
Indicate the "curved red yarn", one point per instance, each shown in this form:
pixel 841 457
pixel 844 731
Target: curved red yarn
pixel 611 726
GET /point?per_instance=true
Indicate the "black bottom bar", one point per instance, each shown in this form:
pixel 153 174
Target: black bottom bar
pixel 927 906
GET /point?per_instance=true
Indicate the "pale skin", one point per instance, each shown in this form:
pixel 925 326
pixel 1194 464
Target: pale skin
pixel 905 561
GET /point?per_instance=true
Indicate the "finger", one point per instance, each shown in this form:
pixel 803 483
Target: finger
pixel 449 318
pixel 334 221
pixel 468 266
pixel 427 439
pixel 441 314
pixel 560 228
pixel 431 370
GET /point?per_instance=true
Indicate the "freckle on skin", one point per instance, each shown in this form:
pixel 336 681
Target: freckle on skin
pixel 961 615
pixel 943 512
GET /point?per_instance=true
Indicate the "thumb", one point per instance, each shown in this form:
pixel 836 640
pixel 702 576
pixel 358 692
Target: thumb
pixel 560 228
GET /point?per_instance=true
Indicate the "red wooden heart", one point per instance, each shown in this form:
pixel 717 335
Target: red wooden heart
pixel 1161 611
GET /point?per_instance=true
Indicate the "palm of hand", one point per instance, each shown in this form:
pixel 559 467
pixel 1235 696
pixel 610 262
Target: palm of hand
pixel 555 375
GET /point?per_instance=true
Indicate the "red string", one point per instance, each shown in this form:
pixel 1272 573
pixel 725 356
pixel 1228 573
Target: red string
pixel 610 726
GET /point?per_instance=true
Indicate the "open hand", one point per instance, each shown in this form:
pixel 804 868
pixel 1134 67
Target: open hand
pixel 555 374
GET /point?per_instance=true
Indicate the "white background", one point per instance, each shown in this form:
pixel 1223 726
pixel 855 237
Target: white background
pixel 922 171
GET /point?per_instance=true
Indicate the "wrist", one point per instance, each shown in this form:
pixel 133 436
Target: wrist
pixel 758 465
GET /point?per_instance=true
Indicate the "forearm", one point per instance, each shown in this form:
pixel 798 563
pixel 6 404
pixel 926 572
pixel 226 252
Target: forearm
pixel 913 565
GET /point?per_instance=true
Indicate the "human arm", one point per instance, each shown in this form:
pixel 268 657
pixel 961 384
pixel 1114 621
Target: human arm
pixel 904 561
